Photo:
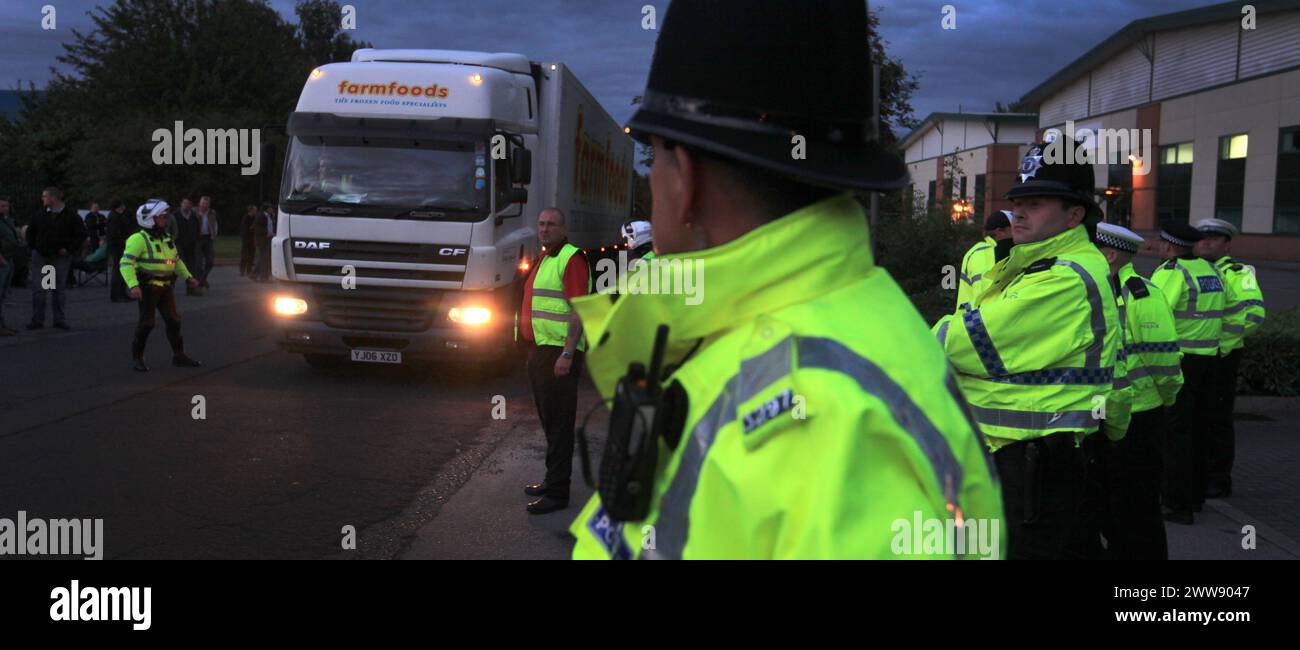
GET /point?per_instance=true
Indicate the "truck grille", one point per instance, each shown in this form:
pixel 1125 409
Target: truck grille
pixel 384 309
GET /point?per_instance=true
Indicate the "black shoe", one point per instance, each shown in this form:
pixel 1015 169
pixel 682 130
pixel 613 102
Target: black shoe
pixel 63 326
pixel 535 489
pixel 35 326
pixel 1183 517
pixel 183 361
pixel 547 504
pixel 139 366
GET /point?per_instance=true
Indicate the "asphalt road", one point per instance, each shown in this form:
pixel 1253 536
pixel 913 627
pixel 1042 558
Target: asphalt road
pixel 284 458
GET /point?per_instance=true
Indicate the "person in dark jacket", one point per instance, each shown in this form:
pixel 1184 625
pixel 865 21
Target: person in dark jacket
pixel 12 253
pixel 54 236
pixel 187 237
pixel 263 232
pixel 247 248
pixel 121 225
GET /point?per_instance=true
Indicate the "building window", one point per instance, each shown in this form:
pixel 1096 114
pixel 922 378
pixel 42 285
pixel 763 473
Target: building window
pixel 979 197
pixel 1174 188
pixel 932 198
pixel 947 190
pixel 963 187
pixel 1230 182
pixel 1286 199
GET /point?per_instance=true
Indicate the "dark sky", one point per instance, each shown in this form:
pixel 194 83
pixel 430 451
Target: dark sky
pixel 1000 49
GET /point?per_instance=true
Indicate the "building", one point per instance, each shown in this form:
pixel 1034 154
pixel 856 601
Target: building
pixel 1218 90
pixel 984 151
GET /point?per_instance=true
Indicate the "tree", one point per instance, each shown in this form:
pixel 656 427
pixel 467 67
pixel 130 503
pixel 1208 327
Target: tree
pixel 1013 107
pixel 896 87
pixel 146 64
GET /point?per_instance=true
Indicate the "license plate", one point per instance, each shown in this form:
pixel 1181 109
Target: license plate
pixel 376 356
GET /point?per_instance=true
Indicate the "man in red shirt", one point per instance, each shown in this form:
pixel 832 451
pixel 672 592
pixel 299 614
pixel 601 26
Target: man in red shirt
pixel 555 362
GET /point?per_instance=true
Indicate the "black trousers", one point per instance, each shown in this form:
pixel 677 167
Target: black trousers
pixel 1123 498
pixel 1043 484
pixel 1183 483
pixel 1221 440
pixel 116 285
pixel 557 405
pixel 205 258
pixel 247 255
pixel 161 300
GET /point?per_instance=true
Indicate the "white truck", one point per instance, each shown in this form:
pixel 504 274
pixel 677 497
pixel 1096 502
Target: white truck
pixel 409 201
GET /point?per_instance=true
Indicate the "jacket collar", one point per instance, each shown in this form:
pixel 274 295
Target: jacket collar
pixel 1022 255
pixel 809 252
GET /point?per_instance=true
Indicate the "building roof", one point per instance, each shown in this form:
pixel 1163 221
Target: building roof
pixel 1138 30
pixel 934 118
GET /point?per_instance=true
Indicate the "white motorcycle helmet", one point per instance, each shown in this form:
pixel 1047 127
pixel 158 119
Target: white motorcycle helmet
pixel 150 209
pixel 636 233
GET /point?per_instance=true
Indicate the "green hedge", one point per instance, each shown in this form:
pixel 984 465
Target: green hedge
pixel 1270 363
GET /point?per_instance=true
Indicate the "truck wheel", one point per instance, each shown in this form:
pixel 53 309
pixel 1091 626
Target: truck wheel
pixel 323 361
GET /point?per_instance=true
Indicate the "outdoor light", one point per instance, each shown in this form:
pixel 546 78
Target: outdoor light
pixel 317 73
pixel 470 315
pixel 476 79
pixel 289 306
pixel 524 266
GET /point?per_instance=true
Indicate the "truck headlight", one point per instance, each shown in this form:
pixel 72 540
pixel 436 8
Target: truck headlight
pixel 470 315
pixel 290 306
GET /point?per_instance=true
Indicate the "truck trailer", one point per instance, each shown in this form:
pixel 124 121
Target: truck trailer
pixel 408 206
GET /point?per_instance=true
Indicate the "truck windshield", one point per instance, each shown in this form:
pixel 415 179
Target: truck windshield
pixel 398 175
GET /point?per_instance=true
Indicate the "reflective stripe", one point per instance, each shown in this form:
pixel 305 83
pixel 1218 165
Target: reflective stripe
pixel 979 338
pixel 1163 346
pixel 1066 376
pixel 1193 290
pixel 546 315
pixel 1092 358
pixel 1199 315
pixel 673 525
pixel 1147 371
pixel 1187 343
pixel 756 373
pixel 548 293
pixel 951 383
pixel 976 278
pixel 942 334
pixel 1034 420
pixel 966 279
pixel 1234 329
pixel 1255 318
pixel 963 306
pixel 1243 305
pixel 127 256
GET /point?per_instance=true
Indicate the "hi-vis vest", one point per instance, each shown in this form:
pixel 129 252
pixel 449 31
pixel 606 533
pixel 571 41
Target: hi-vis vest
pixel 1036 353
pixel 1194 291
pixel 154 258
pixel 802 436
pixel 977 261
pixel 1243 306
pixel 550 310
pixel 1151 354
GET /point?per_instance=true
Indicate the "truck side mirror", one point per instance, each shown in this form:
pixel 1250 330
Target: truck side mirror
pixel 521 167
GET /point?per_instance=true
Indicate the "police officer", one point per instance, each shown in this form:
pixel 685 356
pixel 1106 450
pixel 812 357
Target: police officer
pixel 1243 313
pixel 1130 466
pixel 1035 354
pixel 1194 290
pixel 637 240
pixel 150 266
pixel 786 429
pixel 983 255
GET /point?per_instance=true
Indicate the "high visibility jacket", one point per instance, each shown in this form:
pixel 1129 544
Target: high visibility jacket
pixel 1152 356
pixel 803 436
pixel 1243 306
pixel 1036 353
pixel 1119 401
pixel 1194 290
pixel 974 264
pixel 151 257
pixel 550 310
